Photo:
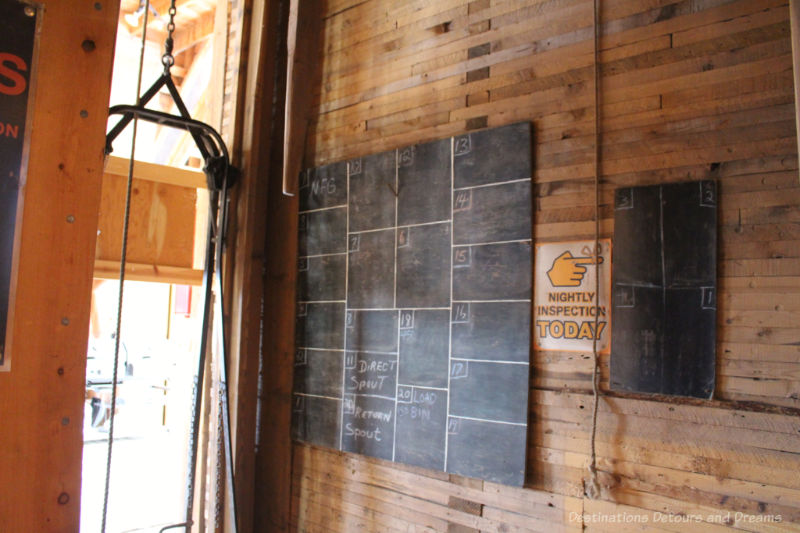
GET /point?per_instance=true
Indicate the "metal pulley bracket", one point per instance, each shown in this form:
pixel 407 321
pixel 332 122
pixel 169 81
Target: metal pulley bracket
pixel 217 165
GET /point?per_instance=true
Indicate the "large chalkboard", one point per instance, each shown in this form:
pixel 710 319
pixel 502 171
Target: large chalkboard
pixel 413 313
pixel 664 289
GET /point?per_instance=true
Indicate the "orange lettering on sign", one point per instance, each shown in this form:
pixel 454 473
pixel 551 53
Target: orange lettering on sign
pixel 8 73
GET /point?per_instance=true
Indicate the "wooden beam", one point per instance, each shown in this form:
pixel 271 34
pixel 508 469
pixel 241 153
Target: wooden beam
pixel 277 253
pixel 302 44
pixel 295 124
pixel 252 131
pixel 105 269
pixel 162 6
pixel 190 34
pixel 170 175
pixel 42 397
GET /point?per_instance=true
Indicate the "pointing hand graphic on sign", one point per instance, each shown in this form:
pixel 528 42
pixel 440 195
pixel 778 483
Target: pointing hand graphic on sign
pixel 568 271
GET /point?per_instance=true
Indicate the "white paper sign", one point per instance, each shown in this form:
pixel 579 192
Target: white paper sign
pixel 565 296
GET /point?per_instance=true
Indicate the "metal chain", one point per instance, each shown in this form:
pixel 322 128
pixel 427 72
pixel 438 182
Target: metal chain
pixel 167 59
pixel 122 261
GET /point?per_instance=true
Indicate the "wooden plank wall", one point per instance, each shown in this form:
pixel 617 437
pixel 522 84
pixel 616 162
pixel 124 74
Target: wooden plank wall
pixel 691 89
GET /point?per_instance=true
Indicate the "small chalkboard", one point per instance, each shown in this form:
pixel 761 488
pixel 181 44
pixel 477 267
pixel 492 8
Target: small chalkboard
pixel 414 304
pixel 664 289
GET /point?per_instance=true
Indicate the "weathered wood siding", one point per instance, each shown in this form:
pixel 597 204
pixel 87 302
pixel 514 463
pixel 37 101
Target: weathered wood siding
pixel 692 89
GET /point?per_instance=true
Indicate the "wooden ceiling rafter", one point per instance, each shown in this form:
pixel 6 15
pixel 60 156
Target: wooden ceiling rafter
pixel 194 21
pixel 194 24
pixel 190 35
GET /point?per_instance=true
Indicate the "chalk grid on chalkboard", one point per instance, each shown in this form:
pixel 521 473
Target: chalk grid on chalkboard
pixel 413 314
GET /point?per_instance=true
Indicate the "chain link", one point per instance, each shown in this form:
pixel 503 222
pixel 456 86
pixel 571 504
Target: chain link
pixel 167 59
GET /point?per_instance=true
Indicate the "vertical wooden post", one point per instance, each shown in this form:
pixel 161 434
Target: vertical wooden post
pixel 794 16
pixel 42 397
pixel 273 462
pixel 303 32
pixel 247 239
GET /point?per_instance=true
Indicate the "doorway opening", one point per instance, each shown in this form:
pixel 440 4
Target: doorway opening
pixel 162 307
pixel 157 359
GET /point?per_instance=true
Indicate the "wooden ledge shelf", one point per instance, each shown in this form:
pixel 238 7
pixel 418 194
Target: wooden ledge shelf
pixel 105 269
pixel 180 176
